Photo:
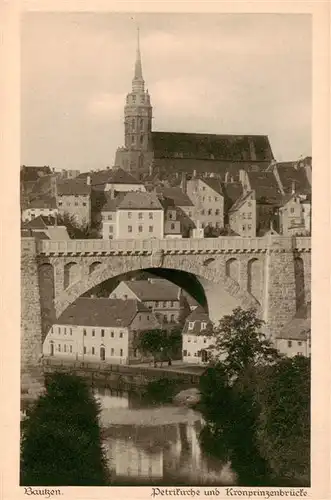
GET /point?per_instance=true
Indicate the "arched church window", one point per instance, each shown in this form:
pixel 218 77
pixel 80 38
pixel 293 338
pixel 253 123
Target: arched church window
pixel 132 139
pixel 133 123
pixel 141 138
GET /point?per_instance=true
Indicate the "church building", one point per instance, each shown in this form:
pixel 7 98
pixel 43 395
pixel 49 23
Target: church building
pixel 147 152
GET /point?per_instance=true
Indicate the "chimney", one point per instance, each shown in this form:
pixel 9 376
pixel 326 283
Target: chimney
pixel 194 173
pixel 183 183
pixel 293 187
pixel 88 180
pixel 226 177
pixel 150 169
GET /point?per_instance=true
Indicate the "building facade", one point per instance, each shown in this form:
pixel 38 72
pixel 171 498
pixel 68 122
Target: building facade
pixel 99 330
pixel 41 206
pixel 196 337
pixel 242 215
pixel 74 199
pixel 206 195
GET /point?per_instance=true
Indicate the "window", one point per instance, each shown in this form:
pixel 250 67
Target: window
pixel 84 332
pixel 289 343
pixel 216 199
pixel 164 304
pixel 134 98
pixel 191 325
pixel 140 229
pixel 121 335
pixel 59 347
pixel 121 352
pixel 170 215
pixel 157 303
pixel 249 215
pixel 140 215
pixel 185 352
pixel 217 211
pixel 65 348
pixel 112 334
pixel 172 303
pixel 172 226
pixel 150 215
pixel 204 340
pixel 203 188
pixel 93 350
pixel 172 318
pixel 129 215
pixel 147 317
pixel 249 203
pixel 292 210
pixel 110 217
pixel 112 351
pixel 135 353
pixel 202 212
pixel 150 229
pixel 203 325
pixel 129 229
pixel 76 203
pixel 59 203
pixel 244 216
pixel 195 340
pixel 189 354
pixel 209 199
pixel 244 227
pixel 188 339
pixel 102 332
pixel 165 318
pixel 84 204
pixel 111 229
pixel 249 226
pixel 299 343
pixel 59 330
pixel 70 348
pixel 84 349
pixel 70 331
pixel 203 225
pixel 209 211
pixel 93 333
pixel 65 331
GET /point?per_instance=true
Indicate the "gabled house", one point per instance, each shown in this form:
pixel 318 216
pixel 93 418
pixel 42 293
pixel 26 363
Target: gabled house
pixel 197 337
pixel 242 215
pixel 99 330
pixel 207 197
pixel 74 199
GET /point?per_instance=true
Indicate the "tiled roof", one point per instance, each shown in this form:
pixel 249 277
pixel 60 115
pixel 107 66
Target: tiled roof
pixel 167 167
pixel 176 195
pixel 40 222
pixel 115 175
pixel 75 186
pixel 288 175
pixel 265 186
pixel 197 316
pixel 58 233
pixel 232 191
pixel 43 202
pixel 39 235
pixel 211 146
pixel 139 200
pixel 111 203
pixel 156 290
pixel 240 201
pixel 214 184
pixel 101 312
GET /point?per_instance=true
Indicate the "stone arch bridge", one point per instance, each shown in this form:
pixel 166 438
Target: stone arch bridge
pixel 271 274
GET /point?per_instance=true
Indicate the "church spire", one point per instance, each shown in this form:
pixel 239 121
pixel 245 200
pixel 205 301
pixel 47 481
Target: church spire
pixel 138 81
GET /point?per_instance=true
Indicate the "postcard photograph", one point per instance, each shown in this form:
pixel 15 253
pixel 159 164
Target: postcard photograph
pixel 166 221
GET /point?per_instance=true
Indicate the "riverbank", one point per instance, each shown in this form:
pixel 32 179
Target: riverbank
pixel 127 377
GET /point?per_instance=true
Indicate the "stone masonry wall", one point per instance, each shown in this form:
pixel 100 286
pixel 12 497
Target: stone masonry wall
pixel 31 330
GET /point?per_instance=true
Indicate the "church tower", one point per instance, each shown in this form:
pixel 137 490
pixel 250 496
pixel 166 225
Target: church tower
pixel 137 110
pixel 135 157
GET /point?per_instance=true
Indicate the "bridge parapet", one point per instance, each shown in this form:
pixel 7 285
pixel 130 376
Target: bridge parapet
pixel 172 246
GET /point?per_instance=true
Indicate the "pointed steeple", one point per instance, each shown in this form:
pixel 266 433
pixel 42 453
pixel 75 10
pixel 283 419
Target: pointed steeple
pixel 138 81
pixel 138 73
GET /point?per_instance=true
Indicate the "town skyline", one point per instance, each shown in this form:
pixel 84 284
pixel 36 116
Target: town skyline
pixel 73 99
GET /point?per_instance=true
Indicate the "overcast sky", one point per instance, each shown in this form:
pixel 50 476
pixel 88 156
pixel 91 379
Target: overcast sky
pixel 220 73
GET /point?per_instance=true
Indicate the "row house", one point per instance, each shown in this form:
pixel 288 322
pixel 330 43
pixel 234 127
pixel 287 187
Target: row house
pixel 164 298
pixel 132 215
pixel 294 215
pixel 242 215
pixel 207 197
pixel 99 330
pixel 179 212
pixel 74 199
pixel 196 337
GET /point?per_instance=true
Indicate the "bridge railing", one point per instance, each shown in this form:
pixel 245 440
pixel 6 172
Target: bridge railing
pixel 226 243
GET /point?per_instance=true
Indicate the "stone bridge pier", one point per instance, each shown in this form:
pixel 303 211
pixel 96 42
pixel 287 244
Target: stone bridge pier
pixel 271 274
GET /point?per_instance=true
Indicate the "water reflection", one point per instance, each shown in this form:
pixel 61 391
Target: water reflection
pixel 160 447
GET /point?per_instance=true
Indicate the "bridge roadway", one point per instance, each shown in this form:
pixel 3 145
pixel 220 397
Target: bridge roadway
pixel 227 244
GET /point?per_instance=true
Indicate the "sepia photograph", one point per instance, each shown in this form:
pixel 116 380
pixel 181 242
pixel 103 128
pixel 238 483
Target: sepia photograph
pixel 165 223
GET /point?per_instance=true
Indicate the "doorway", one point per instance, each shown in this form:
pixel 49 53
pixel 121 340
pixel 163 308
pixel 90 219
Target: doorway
pixel 52 348
pixel 102 353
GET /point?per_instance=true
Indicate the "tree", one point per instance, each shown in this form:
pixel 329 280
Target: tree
pixel 76 230
pixel 240 343
pixel 61 439
pixel 284 421
pixel 160 343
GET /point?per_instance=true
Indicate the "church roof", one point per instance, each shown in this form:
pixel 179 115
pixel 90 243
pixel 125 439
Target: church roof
pixel 211 146
pixel 240 201
pixel 154 290
pixel 214 184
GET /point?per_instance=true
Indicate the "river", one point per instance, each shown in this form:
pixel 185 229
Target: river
pixel 155 444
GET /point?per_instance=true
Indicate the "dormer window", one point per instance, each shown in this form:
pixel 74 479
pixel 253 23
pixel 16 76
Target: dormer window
pixel 191 325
